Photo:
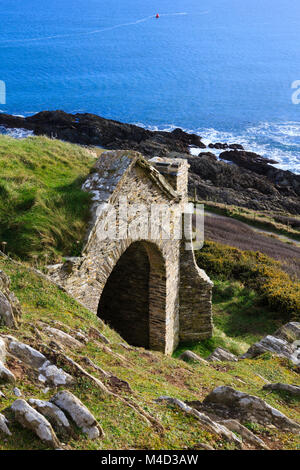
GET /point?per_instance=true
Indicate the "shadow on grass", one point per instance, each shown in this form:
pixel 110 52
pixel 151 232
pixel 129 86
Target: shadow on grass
pixel 240 312
pixel 240 319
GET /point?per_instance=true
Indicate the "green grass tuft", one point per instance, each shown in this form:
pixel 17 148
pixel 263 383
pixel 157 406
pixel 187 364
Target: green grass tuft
pixel 43 211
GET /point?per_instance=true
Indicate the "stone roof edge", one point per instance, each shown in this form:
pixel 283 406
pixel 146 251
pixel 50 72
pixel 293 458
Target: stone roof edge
pixel 152 173
pixel 157 178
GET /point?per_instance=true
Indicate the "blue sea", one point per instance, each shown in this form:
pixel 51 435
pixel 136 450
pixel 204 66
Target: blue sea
pixel 221 68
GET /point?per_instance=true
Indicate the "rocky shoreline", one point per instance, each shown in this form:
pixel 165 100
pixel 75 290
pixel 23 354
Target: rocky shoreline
pixel 250 181
pixel 90 129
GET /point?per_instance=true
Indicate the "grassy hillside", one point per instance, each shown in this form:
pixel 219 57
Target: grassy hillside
pixel 149 374
pixel 43 211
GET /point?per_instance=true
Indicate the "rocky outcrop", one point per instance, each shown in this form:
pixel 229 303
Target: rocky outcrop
pixel 4 425
pixel 96 334
pixel 252 182
pixel 228 402
pixel 2 350
pixel 205 421
pixel 64 339
pixel 289 332
pixel 53 376
pixel 17 392
pixel 10 309
pixel 31 419
pixel 55 415
pixel 6 375
pixel 25 353
pixel 90 129
pixel 280 387
pixel 47 372
pixel 83 418
pixel 190 356
pixel 284 343
pixel 247 436
pixel 220 354
pixel 285 181
pixel 269 344
pixel 222 146
pixel 40 415
pixel 221 182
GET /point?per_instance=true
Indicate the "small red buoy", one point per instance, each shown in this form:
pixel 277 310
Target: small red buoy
pixel 157 15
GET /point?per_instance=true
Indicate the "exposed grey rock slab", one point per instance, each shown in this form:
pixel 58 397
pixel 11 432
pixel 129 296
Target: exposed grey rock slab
pixel 289 332
pixel 63 338
pixel 227 401
pixel 6 312
pixel 10 309
pixel 83 418
pixel 2 350
pixel 98 335
pixel 54 376
pixel 247 435
pixel 49 373
pixel 269 344
pixel 52 412
pixel 26 354
pixel 292 389
pixel 190 356
pixel 4 425
pixel 6 375
pixel 220 354
pixel 31 419
pixel 205 421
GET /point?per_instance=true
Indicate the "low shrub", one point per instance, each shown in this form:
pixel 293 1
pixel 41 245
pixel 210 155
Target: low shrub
pixel 257 271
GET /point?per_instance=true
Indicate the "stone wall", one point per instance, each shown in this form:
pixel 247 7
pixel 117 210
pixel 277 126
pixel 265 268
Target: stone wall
pixel 134 283
pixel 194 299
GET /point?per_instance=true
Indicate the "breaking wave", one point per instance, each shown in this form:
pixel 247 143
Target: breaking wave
pixel 278 141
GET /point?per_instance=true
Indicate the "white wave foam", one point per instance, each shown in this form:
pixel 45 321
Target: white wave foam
pixel 278 141
pixel 16 133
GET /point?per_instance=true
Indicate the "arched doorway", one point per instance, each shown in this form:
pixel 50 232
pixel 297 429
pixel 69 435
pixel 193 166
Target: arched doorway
pixel 133 301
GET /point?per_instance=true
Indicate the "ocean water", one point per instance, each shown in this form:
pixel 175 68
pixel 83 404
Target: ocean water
pixel 221 68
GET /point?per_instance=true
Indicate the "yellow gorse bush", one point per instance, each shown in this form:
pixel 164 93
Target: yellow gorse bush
pixel 257 271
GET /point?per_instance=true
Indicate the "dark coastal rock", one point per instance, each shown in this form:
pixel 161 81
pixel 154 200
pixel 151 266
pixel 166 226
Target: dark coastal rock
pixel 236 147
pixel 210 155
pixel 251 182
pixel 218 146
pixel 285 181
pixel 215 180
pixel 224 146
pixel 90 129
pixel 249 160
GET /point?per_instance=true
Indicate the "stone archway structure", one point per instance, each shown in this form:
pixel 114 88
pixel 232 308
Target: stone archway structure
pixel 134 299
pixel 147 288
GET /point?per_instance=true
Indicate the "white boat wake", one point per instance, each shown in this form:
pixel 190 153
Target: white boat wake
pixel 96 31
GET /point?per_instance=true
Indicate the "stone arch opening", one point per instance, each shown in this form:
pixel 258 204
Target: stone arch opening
pixel 133 301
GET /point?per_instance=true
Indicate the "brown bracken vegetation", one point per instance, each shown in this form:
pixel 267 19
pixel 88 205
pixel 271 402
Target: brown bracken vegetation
pixel 239 235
